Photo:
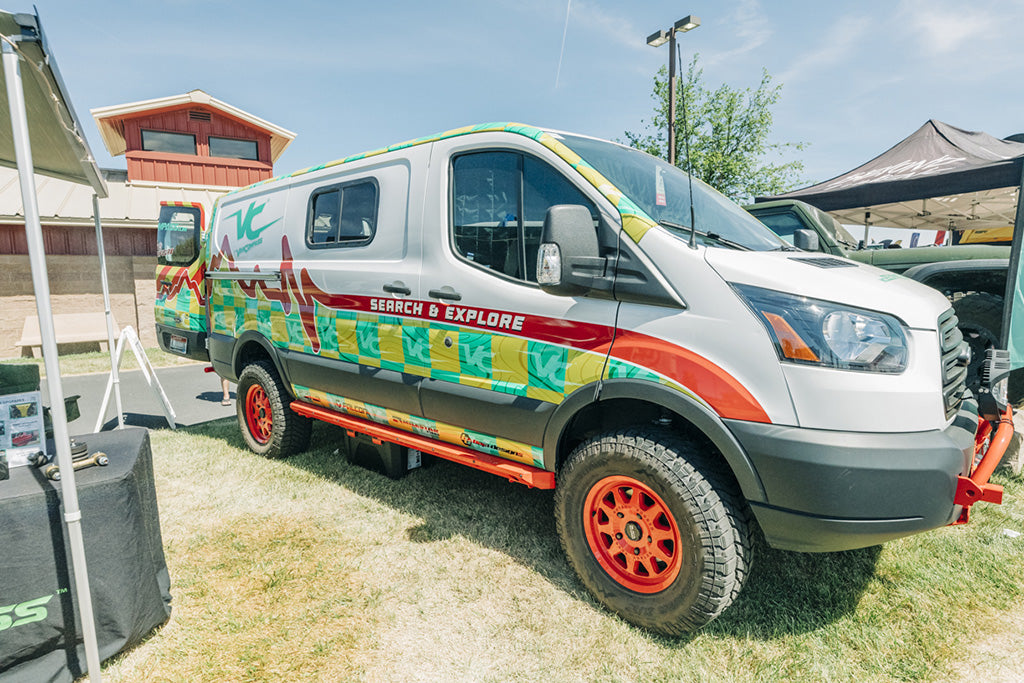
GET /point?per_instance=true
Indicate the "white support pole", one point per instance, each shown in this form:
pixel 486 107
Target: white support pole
pixel 37 259
pixel 116 360
pixel 115 379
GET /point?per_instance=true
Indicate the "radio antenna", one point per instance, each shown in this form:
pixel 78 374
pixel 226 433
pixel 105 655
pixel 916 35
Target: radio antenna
pixel 689 167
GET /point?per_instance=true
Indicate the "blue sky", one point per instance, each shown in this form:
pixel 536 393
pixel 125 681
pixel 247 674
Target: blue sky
pixel 348 77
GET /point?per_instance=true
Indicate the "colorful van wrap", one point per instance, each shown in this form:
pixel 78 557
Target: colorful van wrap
pixel 432 429
pixel 510 352
pixel 635 222
pixel 181 290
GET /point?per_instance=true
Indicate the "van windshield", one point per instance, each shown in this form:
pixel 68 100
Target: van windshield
pixel 662 192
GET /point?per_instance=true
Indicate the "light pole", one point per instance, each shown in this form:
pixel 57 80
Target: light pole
pixel 687 23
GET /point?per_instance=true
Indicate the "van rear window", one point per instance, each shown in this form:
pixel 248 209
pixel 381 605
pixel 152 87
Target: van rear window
pixel 177 235
pixel 343 215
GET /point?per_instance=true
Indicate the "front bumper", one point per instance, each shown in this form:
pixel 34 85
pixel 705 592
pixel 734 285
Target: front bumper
pixel 830 490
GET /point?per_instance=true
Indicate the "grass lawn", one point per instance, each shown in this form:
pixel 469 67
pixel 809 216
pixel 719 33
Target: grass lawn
pixel 99 361
pixel 314 569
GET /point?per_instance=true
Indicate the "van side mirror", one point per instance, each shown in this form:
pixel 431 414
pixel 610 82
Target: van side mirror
pixel 569 260
pixel 806 240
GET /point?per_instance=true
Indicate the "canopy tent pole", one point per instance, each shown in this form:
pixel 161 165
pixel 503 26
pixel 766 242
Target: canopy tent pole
pixel 867 227
pixel 37 259
pixel 111 339
pixel 1014 297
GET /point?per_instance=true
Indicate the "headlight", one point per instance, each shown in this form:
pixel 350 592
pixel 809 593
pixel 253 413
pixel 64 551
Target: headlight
pixel 814 332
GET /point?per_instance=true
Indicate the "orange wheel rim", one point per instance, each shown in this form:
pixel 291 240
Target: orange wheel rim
pixel 632 533
pixel 258 414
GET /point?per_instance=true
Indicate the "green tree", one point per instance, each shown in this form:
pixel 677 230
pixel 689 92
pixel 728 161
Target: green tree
pixel 728 133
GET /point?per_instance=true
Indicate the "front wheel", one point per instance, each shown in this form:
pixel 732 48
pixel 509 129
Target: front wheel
pixel 653 528
pixel 980 318
pixel 269 426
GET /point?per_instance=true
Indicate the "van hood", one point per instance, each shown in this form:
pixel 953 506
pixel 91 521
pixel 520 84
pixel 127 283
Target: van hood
pixel 832 279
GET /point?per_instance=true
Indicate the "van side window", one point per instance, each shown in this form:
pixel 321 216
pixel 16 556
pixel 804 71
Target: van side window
pixel 343 215
pixel 499 202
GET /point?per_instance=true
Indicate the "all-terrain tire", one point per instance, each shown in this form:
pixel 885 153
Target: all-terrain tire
pixel 269 426
pixel 654 527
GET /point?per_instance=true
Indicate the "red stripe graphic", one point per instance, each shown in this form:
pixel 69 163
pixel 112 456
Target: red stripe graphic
pixel 723 392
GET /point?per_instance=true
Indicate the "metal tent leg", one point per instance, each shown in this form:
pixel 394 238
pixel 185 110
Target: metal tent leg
pixel 37 259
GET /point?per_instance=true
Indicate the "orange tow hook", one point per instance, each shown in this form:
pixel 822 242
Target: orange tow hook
pixel 975 488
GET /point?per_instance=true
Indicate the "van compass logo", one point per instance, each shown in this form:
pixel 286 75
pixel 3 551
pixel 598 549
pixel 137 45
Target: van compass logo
pixel 245 229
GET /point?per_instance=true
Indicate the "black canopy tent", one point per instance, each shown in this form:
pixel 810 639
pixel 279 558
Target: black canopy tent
pixel 939 178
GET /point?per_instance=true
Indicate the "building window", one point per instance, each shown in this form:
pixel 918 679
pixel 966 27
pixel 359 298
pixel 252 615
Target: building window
pixel 343 216
pixel 162 141
pixel 233 149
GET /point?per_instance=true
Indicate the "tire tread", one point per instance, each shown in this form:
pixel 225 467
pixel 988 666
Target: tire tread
pixel 706 486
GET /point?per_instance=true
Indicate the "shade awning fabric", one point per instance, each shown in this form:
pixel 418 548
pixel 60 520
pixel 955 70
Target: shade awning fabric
pixel 59 148
pixel 939 178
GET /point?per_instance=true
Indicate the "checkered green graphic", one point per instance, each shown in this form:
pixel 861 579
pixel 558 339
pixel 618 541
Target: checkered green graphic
pixel 489 360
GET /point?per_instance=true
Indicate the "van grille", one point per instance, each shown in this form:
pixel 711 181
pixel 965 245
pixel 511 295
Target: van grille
pixel 954 375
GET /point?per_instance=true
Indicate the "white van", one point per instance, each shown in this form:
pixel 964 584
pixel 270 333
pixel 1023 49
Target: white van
pixel 574 314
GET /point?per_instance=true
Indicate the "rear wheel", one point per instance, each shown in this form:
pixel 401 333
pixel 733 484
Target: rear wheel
pixel 654 529
pixel 269 426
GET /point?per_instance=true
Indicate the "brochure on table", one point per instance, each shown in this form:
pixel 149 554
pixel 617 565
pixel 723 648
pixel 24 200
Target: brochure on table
pixel 21 427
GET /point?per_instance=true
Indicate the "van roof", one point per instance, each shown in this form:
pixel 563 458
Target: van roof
pixel 506 127
pixel 635 222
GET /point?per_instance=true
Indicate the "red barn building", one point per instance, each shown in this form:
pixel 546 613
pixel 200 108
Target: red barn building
pixel 189 147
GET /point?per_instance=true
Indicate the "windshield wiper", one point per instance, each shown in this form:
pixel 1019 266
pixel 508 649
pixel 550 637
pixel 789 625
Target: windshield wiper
pixel 713 236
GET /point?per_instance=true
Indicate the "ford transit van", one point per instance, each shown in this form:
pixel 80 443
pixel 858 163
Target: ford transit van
pixel 577 315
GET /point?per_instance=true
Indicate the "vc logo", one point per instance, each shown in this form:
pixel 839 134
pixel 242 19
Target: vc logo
pixel 26 613
pixel 244 225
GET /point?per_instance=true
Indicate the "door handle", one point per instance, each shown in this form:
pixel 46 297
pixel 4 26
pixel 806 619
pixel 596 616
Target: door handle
pixel 397 288
pixel 445 293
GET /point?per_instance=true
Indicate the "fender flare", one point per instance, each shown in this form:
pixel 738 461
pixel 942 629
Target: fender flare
pixel 223 346
pixel 702 418
pixel 925 271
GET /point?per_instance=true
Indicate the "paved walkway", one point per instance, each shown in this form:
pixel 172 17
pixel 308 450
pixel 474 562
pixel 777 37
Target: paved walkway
pixel 194 395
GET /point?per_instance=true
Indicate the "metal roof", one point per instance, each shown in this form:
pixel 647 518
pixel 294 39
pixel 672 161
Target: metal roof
pixel 110 120
pixel 134 204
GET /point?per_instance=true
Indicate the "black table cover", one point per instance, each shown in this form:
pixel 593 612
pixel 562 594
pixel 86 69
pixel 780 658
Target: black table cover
pixel 40 636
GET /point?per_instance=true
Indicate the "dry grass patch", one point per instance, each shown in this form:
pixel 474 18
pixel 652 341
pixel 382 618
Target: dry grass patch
pixel 312 568
pixel 263 599
pixel 99 361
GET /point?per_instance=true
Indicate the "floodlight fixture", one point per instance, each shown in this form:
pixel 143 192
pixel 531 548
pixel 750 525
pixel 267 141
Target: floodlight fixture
pixel 657 39
pixel 687 23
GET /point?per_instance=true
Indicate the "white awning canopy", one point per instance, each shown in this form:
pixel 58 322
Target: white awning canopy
pixel 59 148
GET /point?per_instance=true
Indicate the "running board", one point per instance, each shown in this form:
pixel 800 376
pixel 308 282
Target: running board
pixel 533 477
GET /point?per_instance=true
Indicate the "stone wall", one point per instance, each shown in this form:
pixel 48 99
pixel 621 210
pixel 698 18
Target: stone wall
pixel 75 287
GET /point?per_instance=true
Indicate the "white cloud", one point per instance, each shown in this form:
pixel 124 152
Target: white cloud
pixel 617 28
pixel 841 40
pixel 750 27
pixel 943 27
